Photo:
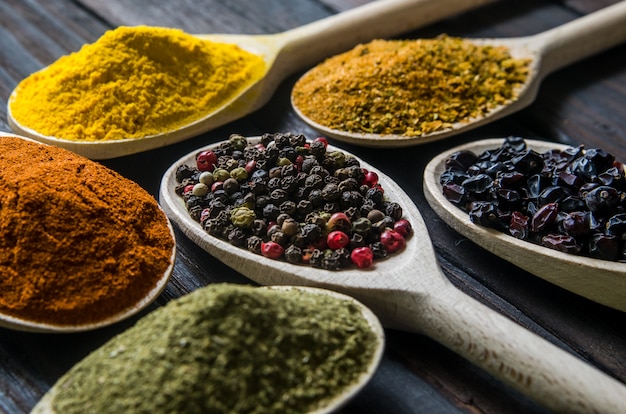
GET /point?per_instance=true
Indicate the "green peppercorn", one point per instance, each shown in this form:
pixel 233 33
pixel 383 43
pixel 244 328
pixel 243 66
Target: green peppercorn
pixel 242 217
pixel 362 226
pixel 206 177
pixel 338 157
pixel 283 161
pixel 200 190
pixel 238 142
pixel 221 174
pixel 239 174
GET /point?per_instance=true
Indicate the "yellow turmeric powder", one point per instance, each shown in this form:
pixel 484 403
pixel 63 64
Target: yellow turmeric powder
pixel 409 87
pixel 133 82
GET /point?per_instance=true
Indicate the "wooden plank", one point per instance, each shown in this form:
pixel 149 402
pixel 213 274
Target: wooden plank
pixel 234 16
pixel 583 103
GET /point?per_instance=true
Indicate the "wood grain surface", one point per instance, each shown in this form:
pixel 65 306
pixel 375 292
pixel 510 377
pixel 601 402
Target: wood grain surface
pixel 582 104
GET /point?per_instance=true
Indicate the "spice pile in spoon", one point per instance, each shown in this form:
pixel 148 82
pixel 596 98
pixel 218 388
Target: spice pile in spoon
pixel 571 201
pixel 409 87
pixel 292 199
pixel 133 82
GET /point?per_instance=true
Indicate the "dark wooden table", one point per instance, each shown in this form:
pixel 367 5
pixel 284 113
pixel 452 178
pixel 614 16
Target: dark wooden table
pixel 582 104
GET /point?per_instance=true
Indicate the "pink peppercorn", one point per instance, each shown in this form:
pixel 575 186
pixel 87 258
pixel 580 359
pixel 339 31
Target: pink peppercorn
pixel 337 239
pixel 338 221
pixel 272 250
pixel 206 160
pixel 322 140
pixel 250 166
pixel 403 227
pixel 362 257
pixel 218 185
pixel 392 240
pixel 370 179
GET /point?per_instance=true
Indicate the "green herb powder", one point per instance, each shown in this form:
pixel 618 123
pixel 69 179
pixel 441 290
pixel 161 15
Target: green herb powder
pixel 225 349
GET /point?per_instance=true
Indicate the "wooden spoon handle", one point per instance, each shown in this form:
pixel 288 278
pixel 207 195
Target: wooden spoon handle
pixel 582 37
pixel 527 362
pixel 309 44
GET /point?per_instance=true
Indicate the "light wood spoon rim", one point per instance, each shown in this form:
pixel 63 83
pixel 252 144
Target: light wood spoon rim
pixel 22 324
pixel 601 281
pixel 408 291
pixel 549 51
pixel 283 53
pixel 45 404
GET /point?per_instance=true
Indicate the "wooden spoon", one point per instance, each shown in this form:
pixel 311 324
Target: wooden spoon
pixel 283 53
pixel 20 324
pixel 599 280
pixel 408 291
pixel 548 51
pixel 45 405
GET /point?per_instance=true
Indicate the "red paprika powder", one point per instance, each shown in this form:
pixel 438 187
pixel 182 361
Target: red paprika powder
pixel 78 242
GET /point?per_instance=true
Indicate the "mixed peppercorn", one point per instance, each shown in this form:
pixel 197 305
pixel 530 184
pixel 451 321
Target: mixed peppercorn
pixel 573 200
pixel 292 199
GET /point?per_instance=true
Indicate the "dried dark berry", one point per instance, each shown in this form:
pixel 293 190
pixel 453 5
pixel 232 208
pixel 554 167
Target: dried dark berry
pixel 561 242
pixel 528 162
pixel 572 203
pixel 478 184
pixel 576 224
pixel 514 144
pixel 454 193
pixel 602 199
pixel 552 194
pixel 452 176
pixel 613 177
pixel 616 225
pixel 483 213
pixel 509 179
pixel 572 200
pixel 518 226
pixel 508 199
pixel 569 180
pixel 544 217
pixel 461 159
pixel 536 184
pixel 604 246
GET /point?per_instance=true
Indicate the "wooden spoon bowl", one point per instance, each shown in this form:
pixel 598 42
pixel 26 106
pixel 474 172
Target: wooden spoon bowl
pixel 21 324
pixel 599 280
pixel 46 404
pixel 547 51
pixel 408 291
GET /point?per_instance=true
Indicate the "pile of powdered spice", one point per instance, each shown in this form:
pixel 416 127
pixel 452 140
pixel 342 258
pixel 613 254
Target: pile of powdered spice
pixel 79 243
pixel 131 83
pixel 409 87
pixel 225 349
pixel 288 198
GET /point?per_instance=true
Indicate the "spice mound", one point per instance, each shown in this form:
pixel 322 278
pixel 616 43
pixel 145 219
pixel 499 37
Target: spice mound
pixel 572 201
pixel 409 87
pixel 78 242
pixel 288 198
pixel 131 83
pixel 226 349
